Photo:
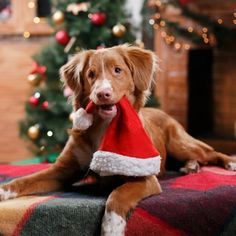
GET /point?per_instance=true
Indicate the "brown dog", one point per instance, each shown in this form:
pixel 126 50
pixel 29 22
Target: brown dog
pixel 105 76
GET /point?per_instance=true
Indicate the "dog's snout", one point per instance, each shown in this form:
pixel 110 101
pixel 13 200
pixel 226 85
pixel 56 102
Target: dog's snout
pixel 104 94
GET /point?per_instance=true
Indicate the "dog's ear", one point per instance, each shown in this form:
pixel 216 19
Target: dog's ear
pixel 143 66
pixel 71 72
pixel 67 73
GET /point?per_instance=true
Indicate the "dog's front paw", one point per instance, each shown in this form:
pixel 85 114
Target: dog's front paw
pixel 6 193
pixel 113 224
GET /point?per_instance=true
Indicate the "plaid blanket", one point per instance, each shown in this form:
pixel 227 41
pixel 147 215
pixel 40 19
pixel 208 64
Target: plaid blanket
pixel 197 205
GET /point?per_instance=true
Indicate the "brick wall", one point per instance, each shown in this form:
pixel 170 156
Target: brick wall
pixel 225 92
pixel 172 81
pixel 216 8
pixel 172 85
pixel 16 63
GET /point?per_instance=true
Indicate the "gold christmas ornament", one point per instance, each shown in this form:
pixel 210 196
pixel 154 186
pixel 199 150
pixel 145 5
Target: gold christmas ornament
pixel 118 30
pixel 34 79
pixel 58 17
pixel 33 132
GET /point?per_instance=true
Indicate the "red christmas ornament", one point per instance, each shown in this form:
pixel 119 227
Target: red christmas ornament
pixel 98 18
pixel 45 105
pixel 184 2
pixel 34 101
pixel 62 37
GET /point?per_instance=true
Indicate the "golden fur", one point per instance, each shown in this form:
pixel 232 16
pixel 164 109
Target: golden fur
pixel 129 71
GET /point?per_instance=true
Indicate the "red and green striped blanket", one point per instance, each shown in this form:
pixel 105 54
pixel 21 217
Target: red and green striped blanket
pixel 202 204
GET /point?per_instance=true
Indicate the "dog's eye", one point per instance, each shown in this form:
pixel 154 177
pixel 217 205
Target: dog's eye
pixel 91 74
pixel 118 70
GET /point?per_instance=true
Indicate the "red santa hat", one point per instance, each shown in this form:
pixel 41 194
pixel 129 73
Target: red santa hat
pixel 126 148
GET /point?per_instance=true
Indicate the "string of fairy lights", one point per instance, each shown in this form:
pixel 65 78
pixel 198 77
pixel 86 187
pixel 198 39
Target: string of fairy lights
pixel 36 20
pixel 159 22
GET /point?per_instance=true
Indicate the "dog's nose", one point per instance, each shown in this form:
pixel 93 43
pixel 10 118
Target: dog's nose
pixel 104 94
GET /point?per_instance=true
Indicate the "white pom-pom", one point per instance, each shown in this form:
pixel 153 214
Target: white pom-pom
pixel 82 120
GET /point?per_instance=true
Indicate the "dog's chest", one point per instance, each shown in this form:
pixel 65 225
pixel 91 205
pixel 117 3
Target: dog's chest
pixel 97 134
pixel 84 151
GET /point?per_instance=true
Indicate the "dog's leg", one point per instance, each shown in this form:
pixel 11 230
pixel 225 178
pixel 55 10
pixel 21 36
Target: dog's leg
pixel 123 199
pixel 184 147
pixel 51 179
pixel 226 161
pixel 28 185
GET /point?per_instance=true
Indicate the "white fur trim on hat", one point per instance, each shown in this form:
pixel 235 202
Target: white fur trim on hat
pixel 82 120
pixel 107 163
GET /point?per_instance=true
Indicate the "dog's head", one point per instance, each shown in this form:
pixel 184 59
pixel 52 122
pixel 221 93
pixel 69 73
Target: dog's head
pixel 106 75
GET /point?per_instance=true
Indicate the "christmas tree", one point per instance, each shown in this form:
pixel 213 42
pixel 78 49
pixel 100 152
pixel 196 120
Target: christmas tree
pixel 78 25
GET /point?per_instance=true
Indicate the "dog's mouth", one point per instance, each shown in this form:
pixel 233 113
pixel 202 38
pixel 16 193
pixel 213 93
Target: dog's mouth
pixel 106 111
pixel 107 107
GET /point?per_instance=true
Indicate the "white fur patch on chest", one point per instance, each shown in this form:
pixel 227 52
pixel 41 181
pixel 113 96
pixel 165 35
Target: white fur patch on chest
pixel 6 194
pixel 113 224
